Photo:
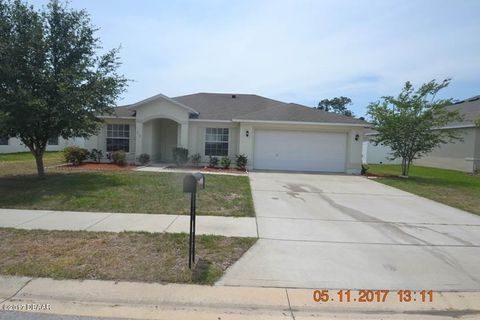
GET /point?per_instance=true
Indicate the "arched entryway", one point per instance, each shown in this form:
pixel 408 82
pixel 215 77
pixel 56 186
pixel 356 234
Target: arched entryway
pixel 161 125
pixel 160 137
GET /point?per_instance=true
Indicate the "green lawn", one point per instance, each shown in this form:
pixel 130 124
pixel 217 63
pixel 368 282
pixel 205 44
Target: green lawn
pixel 27 156
pixel 128 256
pixel 126 191
pixel 454 188
pixel 23 163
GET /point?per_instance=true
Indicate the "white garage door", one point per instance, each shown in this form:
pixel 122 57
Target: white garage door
pixel 299 150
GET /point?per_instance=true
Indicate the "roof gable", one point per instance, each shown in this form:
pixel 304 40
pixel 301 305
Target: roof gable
pixel 161 97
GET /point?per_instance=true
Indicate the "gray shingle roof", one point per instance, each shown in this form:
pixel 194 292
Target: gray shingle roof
pixel 222 106
pixel 219 106
pixel 469 108
pixel 296 112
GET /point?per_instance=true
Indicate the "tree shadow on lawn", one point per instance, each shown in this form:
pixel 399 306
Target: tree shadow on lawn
pixel 29 190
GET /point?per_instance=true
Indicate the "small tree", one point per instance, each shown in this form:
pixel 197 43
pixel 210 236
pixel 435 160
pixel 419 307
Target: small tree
pixel 241 161
pixel 96 155
pixel 225 162
pixel 195 159
pixel 119 157
pixel 75 155
pixel 52 81
pixel 336 105
pixel 411 123
pixel 144 158
pixel 180 155
pixel 212 162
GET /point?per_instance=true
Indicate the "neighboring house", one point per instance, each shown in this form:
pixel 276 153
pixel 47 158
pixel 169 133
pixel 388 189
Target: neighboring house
pixel 272 134
pixel 376 154
pixel 458 155
pixel 9 145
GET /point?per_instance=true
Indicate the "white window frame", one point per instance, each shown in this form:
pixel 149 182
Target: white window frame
pixel 118 131
pixel 217 135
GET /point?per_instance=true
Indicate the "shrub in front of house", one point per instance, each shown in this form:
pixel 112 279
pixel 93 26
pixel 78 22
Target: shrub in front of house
pixel 195 159
pixel 212 162
pixel 242 162
pixel 75 155
pixel 144 158
pixel 180 156
pixel 96 155
pixel 364 169
pixel 225 162
pixel 119 157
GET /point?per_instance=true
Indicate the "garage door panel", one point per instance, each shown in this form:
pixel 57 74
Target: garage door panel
pixel 298 150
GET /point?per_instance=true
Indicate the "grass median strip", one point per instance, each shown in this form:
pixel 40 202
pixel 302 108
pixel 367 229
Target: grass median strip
pixel 127 256
pixel 451 187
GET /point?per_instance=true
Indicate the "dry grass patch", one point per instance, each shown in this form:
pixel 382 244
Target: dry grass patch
pixel 23 163
pixel 128 256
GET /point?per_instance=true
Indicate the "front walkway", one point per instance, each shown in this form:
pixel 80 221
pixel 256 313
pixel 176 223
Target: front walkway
pixel 117 222
pixel 164 167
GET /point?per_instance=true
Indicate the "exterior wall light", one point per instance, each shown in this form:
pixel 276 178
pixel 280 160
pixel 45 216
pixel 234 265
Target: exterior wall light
pixel 247 133
pixel 357 136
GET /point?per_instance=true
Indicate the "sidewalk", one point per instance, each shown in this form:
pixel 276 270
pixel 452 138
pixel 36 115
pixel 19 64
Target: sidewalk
pixel 164 167
pixel 117 222
pixel 175 301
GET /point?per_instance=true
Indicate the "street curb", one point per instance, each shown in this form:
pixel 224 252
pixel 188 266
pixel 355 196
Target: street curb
pixel 181 301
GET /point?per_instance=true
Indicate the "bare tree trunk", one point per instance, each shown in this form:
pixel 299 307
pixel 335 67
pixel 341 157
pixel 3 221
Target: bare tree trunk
pixel 404 167
pixel 37 150
pixel 40 167
pixel 409 162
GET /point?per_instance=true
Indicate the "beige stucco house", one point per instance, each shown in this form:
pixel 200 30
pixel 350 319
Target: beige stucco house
pixel 272 134
pixel 461 155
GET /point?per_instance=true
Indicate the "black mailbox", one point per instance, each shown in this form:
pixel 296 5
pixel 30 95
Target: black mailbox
pixel 191 181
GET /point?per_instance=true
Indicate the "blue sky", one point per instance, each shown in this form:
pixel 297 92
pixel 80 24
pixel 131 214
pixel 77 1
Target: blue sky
pixel 294 51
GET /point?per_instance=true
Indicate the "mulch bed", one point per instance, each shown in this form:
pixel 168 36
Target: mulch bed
pixel 229 170
pixel 97 167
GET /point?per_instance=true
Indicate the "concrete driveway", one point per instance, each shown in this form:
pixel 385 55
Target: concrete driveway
pixel 336 231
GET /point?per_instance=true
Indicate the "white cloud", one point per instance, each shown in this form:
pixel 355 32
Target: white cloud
pixel 296 50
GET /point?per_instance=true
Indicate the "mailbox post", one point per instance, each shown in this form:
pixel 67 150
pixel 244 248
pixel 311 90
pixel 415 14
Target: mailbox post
pixel 190 184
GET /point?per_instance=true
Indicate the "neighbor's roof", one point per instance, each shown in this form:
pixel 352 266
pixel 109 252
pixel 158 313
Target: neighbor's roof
pixel 221 106
pixel 469 108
